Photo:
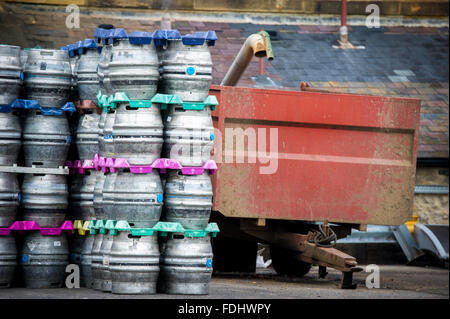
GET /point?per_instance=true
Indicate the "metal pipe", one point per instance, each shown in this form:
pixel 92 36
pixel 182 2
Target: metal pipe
pixel 343 12
pixel 261 63
pixel 261 66
pixel 257 44
pixel 343 31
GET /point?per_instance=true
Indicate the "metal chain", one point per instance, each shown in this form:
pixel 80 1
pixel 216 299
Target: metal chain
pixel 322 240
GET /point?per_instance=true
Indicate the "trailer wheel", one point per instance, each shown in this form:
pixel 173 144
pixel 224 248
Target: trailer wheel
pixel 285 262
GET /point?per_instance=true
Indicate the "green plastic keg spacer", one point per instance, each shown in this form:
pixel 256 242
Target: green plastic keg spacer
pixel 97 226
pixel 122 225
pixel 110 225
pixel 162 99
pixel 113 227
pixel 212 229
pixel 211 101
pixel 166 99
pixel 166 227
pixel 102 101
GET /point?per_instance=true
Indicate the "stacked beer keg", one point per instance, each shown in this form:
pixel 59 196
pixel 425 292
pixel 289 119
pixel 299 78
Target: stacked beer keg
pixel 144 110
pixel 188 138
pixel 47 77
pixel 10 142
pixel 87 55
pixel 129 67
pixel 131 131
pixel 46 141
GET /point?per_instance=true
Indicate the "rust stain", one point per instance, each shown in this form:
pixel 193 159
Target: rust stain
pixel 373 180
pixel 236 190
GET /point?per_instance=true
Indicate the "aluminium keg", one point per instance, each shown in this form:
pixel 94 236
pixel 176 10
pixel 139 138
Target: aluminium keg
pixel 108 196
pixel 81 198
pixel 186 265
pixel 81 255
pixel 98 195
pixel 44 260
pixel 23 58
pixel 188 199
pixel 138 134
pixel 100 139
pixel 46 139
pixel 10 73
pixel 186 70
pixel 87 134
pixel 86 74
pixel 10 138
pixel 8 260
pixel 134 264
pixel 73 94
pixel 9 198
pixel 23 61
pixel 96 261
pixel 45 199
pixel 75 249
pixel 86 279
pixel 136 198
pixel 102 70
pixel 108 142
pixel 104 272
pixel 133 69
pixel 188 135
pixel 48 77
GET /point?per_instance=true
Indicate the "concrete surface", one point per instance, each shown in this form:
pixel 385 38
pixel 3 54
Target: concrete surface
pixel 395 282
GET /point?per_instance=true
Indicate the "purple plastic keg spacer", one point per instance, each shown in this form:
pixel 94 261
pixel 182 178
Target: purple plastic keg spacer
pixel 109 163
pixel 29 225
pixel 67 225
pixel 209 165
pixel 115 163
pixel 135 169
pixel 76 166
pixel 17 225
pixel 163 164
pixel 167 163
pixel 142 169
pixel 5 231
pixel 100 163
pixel 95 161
pixel 33 225
pixel 87 164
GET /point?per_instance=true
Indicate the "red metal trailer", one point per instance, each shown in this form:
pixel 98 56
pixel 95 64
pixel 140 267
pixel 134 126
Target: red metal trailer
pixel 347 160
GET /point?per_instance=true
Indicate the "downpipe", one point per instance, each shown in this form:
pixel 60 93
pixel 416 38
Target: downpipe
pixel 258 45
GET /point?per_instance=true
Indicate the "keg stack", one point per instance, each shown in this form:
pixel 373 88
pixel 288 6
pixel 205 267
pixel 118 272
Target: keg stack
pixel 130 133
pixel 144 129
pixel 186 74
pixel 81 202
pixel 128 191
pixel 10 143
pixel 43 83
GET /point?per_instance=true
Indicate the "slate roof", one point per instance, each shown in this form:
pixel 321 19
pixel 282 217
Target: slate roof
pixel 397 61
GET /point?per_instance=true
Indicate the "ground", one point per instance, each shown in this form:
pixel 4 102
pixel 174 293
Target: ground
pixel 397 281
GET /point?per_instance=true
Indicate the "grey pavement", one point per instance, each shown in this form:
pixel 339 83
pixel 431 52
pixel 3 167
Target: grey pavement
pixel 405 282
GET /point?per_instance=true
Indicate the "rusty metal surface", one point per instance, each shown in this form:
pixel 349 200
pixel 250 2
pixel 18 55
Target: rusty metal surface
pixel 308 252
pixel 342 158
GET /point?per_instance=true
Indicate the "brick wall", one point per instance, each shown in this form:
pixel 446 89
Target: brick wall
pixel 355 7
